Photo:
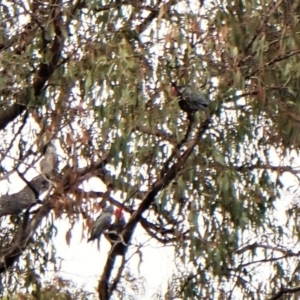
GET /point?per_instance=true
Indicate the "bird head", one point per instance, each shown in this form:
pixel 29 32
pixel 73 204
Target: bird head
pixel 176 90
pixel 119 214
pixel 108 209
pixel 40 184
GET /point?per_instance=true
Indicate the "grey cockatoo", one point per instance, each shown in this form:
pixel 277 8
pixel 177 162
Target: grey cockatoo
pixel 116 229
pixel 15 203
pixel 190 100
pixel 49 162
pixel 102 223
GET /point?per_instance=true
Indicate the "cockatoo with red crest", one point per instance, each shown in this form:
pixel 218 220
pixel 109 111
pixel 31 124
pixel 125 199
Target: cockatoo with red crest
pixel 102 223
pixel 116 230
pixel 190 101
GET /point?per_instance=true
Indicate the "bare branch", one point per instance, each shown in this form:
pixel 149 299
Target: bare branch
pixel 148 200
pixel 284 291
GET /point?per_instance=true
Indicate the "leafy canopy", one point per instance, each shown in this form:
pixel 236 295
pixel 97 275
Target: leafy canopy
pixel 94 77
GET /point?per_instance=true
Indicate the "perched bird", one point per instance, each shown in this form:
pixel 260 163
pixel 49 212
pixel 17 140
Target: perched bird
pixel 15 203
pixel 116 229
pixel 102 223
pixel 49 163
pixel 190 101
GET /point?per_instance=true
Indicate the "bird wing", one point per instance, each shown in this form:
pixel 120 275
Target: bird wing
pixel 121 223
pixel 195 99
pixel 101 223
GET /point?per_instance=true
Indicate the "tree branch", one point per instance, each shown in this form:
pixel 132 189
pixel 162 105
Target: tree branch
pixel 23 236
pixel 283 291
pixel 118 277
pixel 13 251
pixel 42 75
pixel 272 9
pixel 177 147
pixel 15 203
pixel 147 201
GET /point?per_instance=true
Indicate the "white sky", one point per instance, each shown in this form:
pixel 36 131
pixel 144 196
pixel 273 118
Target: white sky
pixel 83 263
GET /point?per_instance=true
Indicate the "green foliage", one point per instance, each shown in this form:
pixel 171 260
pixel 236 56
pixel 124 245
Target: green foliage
pixel 59 289
pixel 94 76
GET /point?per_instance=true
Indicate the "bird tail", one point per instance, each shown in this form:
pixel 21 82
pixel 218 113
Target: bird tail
pixel 89 240
pixel 99 239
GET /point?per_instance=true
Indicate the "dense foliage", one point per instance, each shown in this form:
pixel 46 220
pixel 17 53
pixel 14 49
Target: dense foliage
pixel 94 78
